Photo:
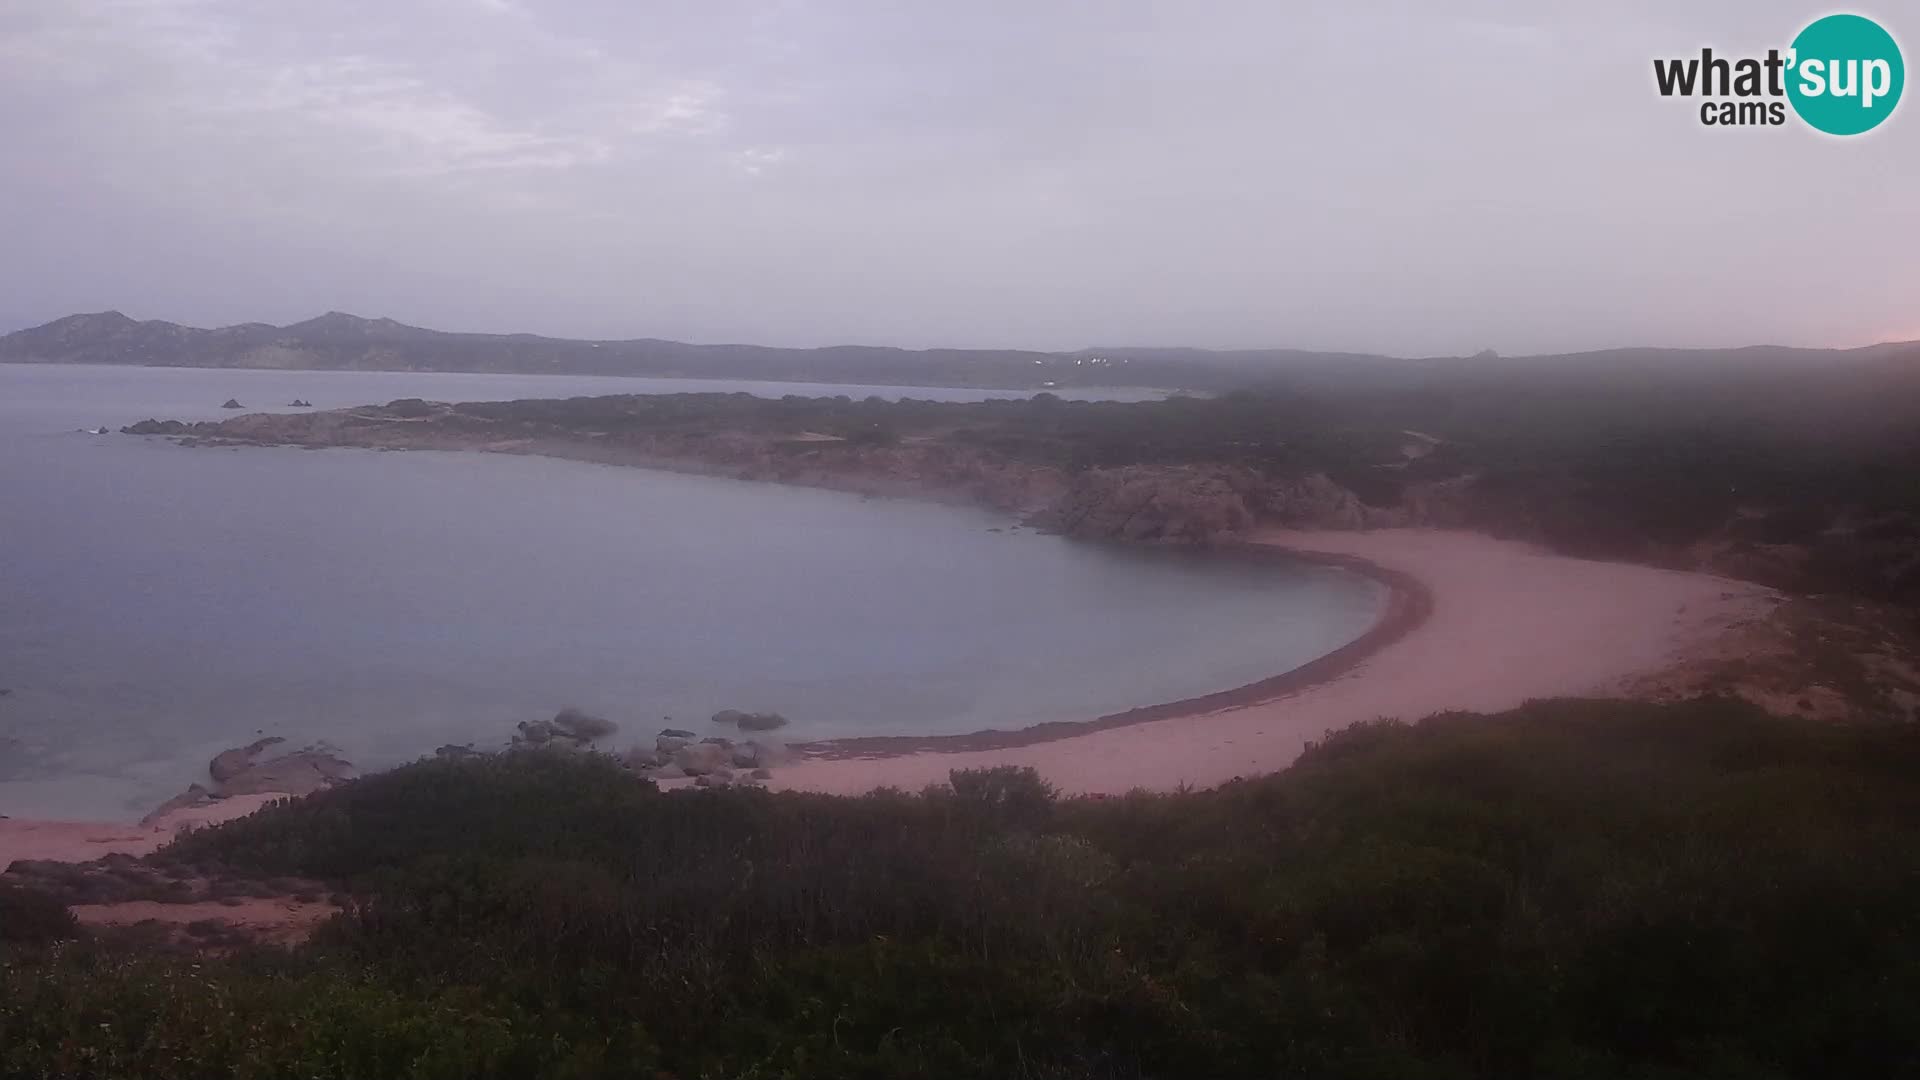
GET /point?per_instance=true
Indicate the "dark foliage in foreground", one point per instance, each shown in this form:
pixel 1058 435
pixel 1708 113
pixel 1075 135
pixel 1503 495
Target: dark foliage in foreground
pixel 1574 889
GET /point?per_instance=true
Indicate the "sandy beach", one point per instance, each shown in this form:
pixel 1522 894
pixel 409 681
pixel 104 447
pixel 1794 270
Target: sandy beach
pixel 1507 622
pixel 1476 623
pixel 81 841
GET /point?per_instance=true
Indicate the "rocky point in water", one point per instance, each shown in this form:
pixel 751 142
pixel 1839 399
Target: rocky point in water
pixel 750 721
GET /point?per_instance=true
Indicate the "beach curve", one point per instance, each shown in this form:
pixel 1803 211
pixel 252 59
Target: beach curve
pixel 1484 625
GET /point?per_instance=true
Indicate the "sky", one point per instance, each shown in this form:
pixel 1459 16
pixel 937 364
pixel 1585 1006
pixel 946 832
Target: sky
pixel 1417 177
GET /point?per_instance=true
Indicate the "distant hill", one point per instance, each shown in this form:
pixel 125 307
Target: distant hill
pixel 338 341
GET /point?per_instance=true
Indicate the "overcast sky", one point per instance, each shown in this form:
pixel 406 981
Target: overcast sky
pixel 1417 177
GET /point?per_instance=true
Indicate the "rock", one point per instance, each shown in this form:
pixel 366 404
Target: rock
pixel 711 781
pixel 762 774
pixel 575 724
pixel 302 772
pixel 195 795
pixel 668 771
pixel 720 742
pixel 640 758
pixel 668 745
pixel 298 403
pixel 747 756
pixel 750 721
pixel 676 733
pixel 155 427
pixel 456 751
pixel 535 732
pixel 228 764
pixel 698 759
pixel 232 403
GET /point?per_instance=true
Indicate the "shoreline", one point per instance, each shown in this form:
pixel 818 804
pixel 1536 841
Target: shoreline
pixel 1417 589
pixel 1488 625
pixel 1409 604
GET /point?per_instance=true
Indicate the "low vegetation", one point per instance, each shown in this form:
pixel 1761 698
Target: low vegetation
pixel 1573 889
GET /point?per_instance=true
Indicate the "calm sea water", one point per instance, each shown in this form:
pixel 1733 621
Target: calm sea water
pixel 159 604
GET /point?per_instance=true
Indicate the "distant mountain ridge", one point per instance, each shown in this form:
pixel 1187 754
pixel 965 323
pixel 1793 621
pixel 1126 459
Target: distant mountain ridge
pixel 337 341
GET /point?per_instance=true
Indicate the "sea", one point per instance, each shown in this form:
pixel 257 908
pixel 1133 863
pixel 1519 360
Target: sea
pixel 161 603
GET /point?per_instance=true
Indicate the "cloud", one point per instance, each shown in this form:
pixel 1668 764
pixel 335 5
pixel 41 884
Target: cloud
pixel 1395 175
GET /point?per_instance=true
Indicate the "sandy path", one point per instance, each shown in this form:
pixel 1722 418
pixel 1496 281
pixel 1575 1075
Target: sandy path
pixel 279 921
pixel 1509 622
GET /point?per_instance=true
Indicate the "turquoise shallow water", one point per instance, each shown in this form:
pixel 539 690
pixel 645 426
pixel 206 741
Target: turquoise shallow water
pixel 158 604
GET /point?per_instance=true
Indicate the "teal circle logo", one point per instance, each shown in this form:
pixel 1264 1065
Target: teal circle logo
pixel 1845 75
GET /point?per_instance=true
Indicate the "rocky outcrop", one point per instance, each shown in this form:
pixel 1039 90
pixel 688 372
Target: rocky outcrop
pixel 1152 504
pixel 301 772
pixel 228 764
pixel 575 724
pixel 699 759
pixel 155 427
pixel 750 721
pixel 232 403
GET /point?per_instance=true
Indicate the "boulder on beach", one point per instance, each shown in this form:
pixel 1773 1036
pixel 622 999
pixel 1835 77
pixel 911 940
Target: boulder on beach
pixel 302 772
pixel 700 759
pixel 195 795
pixel 670 744
pixel 232 403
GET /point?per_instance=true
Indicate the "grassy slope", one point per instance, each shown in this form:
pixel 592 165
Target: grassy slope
pixel 1573 889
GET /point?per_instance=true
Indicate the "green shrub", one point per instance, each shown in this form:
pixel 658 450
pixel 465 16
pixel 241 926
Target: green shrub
pixel 29 917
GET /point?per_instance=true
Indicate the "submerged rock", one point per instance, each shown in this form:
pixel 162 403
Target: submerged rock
pixel 762 721
pixel 750 721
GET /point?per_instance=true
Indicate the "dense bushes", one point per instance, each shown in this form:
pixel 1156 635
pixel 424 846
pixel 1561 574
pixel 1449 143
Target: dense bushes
pixel 1572 889
pixel 27 916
